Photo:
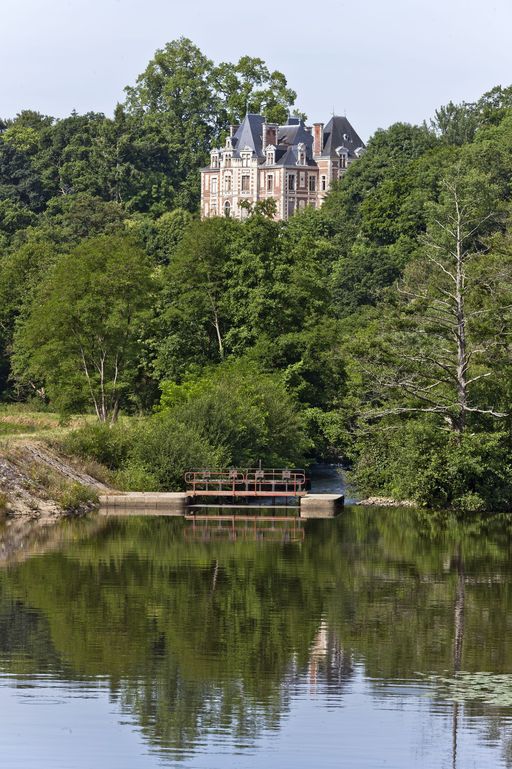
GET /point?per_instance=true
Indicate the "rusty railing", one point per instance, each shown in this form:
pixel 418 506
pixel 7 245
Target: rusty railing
pixel 249 482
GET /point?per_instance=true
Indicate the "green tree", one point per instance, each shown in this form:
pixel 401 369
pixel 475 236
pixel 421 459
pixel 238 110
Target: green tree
pixel 249 86
pixel 182 104
pixel 440 356
pixel 80 337
pixel 196 317
pixel 175 106
pixel 437 359
pixel 376 212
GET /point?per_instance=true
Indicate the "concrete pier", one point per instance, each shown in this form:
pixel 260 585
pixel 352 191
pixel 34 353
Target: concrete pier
pixel 321 505
pixel 144 503
pixel 177 504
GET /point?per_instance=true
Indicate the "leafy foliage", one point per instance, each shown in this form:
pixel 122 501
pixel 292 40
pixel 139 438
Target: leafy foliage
pixel 79 340
pixel 112 292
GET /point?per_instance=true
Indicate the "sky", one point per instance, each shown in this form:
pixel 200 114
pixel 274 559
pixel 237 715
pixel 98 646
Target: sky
pixel 377 62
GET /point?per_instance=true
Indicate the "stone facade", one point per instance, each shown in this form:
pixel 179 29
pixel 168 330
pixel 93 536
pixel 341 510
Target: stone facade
pixel 294 164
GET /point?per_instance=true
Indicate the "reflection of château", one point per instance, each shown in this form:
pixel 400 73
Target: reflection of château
pixel 292 164
pixel 328 658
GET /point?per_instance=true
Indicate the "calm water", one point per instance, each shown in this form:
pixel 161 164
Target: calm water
pixel 374 640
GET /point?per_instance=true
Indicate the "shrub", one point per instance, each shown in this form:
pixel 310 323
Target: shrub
pixel 250 415
pixel 164 448
pixel 108 445
pixel 74 497
pixel 136 477
pixel 232 415
pixel 418 461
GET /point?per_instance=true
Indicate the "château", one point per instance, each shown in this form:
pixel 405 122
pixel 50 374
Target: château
pixel 293 164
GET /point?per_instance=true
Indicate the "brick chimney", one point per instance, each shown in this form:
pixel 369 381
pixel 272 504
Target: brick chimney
pixel 318 139
pixel 232 130
pixel 269 135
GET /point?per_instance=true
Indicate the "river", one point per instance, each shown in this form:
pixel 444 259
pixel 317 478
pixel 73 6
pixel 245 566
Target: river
pixel 377 639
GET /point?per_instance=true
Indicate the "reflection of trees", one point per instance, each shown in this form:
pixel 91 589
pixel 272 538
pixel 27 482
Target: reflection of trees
pixel 25 641
pixel 201 637
pixel 458 640
pixel 194 637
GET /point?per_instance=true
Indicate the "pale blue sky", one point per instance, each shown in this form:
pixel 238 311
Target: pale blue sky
pixel 378 61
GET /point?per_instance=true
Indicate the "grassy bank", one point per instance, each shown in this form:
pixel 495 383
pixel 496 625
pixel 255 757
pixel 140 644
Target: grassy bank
pixel 36 481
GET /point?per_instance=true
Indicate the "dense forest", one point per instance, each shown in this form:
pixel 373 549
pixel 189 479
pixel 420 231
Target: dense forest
pixel 375 330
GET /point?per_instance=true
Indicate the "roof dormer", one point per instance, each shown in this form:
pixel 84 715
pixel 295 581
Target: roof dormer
pixel 246 155
pixel 270 155
pixel 215 158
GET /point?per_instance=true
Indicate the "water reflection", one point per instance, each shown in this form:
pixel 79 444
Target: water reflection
pixel 234 651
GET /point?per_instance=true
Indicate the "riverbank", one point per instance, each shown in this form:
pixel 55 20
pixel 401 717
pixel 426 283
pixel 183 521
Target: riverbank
pixel 385 502
pixel 37 483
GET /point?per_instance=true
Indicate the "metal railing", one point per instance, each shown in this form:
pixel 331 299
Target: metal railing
pixel 248 482
pixel 244 527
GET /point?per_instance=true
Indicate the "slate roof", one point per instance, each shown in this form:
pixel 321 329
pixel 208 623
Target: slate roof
pixel 249 134
pixel 288 156
pixel 295 133
pixel 334 136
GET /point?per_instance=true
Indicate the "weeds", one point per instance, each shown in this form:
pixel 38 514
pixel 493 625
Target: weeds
pixel 4 504
pixel 75 498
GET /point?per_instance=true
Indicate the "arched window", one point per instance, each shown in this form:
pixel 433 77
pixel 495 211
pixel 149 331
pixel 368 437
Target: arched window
pixel 227 209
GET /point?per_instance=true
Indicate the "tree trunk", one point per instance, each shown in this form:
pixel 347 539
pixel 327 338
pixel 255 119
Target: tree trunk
pixel 460 329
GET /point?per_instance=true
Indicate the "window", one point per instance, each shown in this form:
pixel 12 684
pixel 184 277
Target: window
pixel 214 185
pixel 271 155
pixel 227 183
pixel 343 161
pixel 323 183
pixel 214 162
pixel 214 208
pixel 312 183
pixel 270 182
pixel 246 183
pixel 291 182
pixel 227 159
pixel 227 209
pixel 302 179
